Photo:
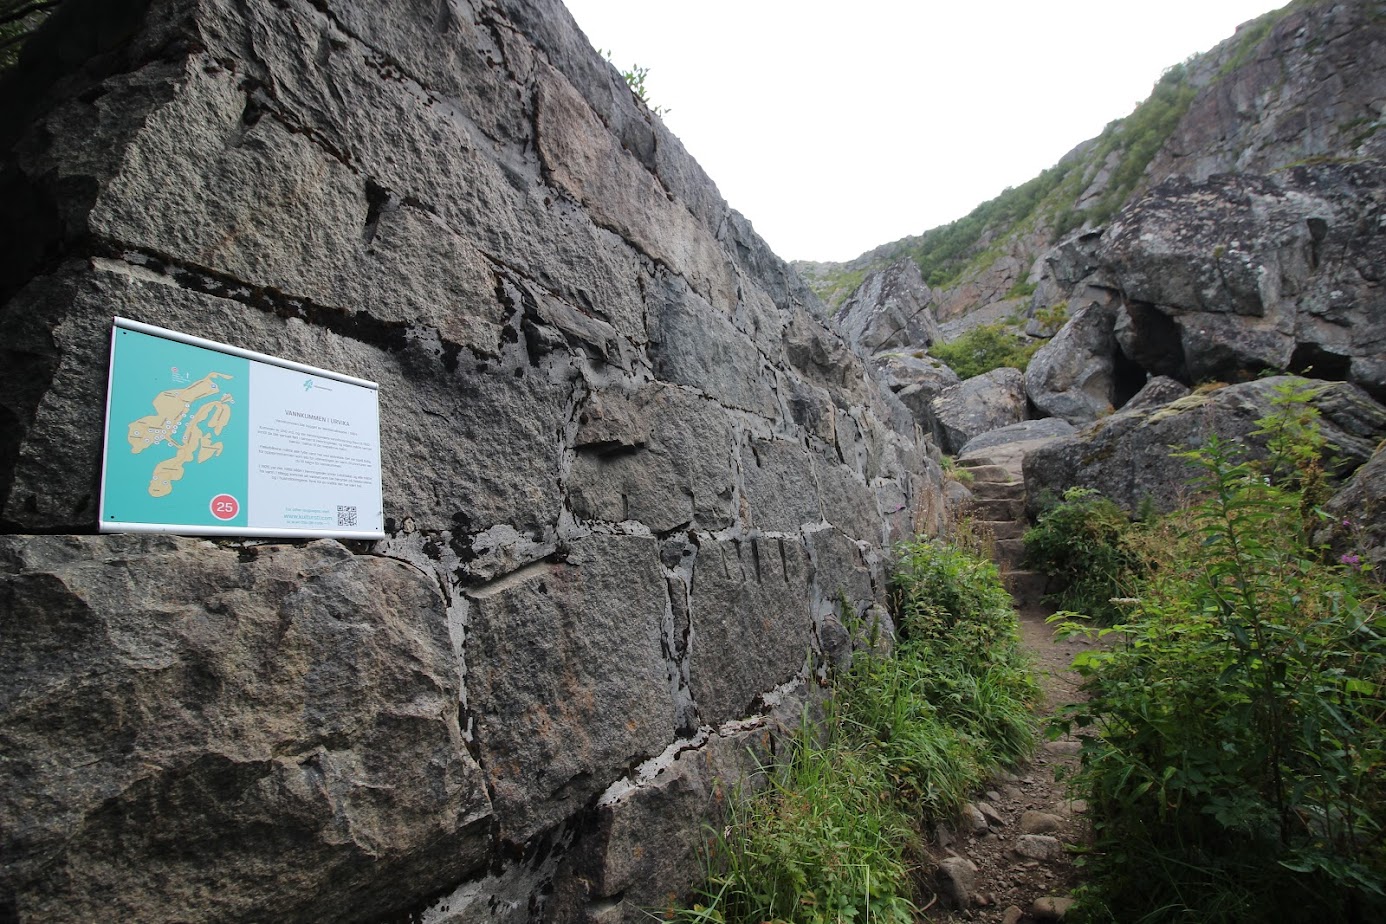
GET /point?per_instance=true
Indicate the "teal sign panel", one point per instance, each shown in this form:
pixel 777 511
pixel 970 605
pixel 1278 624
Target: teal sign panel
pixel 177 434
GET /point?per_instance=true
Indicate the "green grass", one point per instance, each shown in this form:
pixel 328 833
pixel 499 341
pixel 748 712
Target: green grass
pixel 838 836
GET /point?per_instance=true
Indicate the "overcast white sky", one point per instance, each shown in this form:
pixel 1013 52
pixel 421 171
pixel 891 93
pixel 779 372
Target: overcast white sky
pixel 836 127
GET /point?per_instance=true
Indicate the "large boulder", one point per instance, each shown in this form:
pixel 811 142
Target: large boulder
pixel 984 402
pixel 219 729
pixel 890 310
pixel 1241 273
pixel 1027 431
pixel 1128 456
pixel 1356 522
pixel 1007 446
pixel 1072 375
pixel 916 379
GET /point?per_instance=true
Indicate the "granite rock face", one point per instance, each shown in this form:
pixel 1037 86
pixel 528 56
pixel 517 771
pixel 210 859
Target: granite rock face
pixel 1129 456
pixel 890 309
pixel 978 405
pixel 1238 273
pixel 192 730
pixel 629 477
pixel 1071 376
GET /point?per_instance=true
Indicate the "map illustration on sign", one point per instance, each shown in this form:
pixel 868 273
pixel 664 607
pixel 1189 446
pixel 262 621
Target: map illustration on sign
pixel 169 425
pixel 205 438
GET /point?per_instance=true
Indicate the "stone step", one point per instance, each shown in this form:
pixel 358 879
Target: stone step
pixel 1027 587
pixel 988 472
pixel 994 490
pixel 1008 553
pixel 1003 529
pixel 974 462
pixel 997 509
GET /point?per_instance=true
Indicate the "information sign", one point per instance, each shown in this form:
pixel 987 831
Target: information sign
pixel 208 439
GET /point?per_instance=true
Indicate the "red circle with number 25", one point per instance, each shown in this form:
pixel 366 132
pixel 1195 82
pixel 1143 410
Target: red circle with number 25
pixel 225 507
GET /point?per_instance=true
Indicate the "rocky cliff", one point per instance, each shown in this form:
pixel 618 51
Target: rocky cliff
pixel 1301 84
pixel 633 485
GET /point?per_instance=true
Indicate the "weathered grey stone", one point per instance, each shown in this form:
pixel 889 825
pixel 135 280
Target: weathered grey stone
pixel 1027 431
pixel 1297 69
pixel 916 380
pixel 973 819
pixel 780 489
pixel 985 402
pixel 666 461
pixel 1071 376
pixel 824 359
pixel 1129 455
pixel 694 345
pixel 1239 273
pixel 889 310
pixel 1158 391
pixel 989 812
pixel 574 645
pixel 956 494
pixel 1356 524
pixel 848 502
pixel 645 847
pixel 751 625
pixel 287 717
pixel 841 576
pixel 1038 846
pixel 957 877
pixel 622 194
pixel 1051 908
pixel 1032 822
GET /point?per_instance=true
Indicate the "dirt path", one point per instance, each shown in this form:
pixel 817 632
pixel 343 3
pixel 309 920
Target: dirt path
pixel 1015 836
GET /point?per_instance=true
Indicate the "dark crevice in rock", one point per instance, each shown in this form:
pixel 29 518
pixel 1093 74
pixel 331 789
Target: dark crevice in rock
pixel 1314 360
pixel 1152 341
pixel 1318 230
pixel 390 336
pixel 1128 378
pixel 259 96
pixel 378 202
pixel 35 234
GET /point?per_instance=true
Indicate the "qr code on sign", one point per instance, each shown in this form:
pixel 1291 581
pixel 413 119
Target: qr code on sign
pixel 346 516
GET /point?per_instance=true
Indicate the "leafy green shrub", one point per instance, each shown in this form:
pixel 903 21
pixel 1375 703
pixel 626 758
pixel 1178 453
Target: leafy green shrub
pixel 1052 317
pixel 1237 764
pixel 984 348
pixel 836 836
pixel 1082 544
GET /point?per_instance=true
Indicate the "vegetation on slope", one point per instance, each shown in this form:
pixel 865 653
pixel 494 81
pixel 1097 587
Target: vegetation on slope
pixel 1234 758
pixel 1047 206
pixel 836 837
pixel 985 347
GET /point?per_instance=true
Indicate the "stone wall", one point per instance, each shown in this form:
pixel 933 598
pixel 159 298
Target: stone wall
pixel 631 483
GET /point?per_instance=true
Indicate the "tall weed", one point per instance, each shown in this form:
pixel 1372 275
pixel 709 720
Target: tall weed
pixel 1235 760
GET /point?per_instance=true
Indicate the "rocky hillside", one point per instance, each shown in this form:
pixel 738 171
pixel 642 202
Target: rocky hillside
pixel 1275 94
pixel 1228 230
pixel 633 487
